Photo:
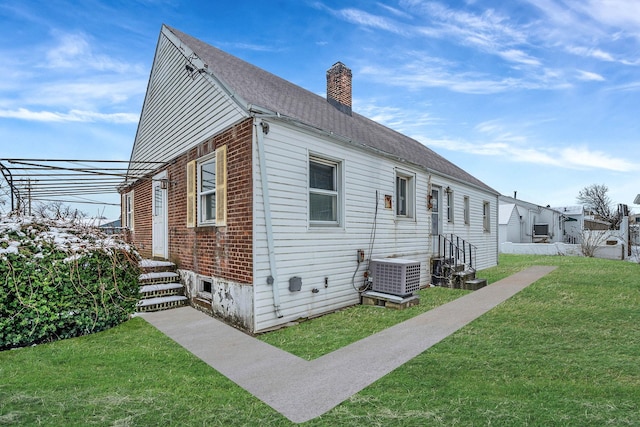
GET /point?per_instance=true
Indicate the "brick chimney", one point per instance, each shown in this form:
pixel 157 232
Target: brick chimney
pixel 339 87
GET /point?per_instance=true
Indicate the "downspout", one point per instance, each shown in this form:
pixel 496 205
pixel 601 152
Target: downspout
pixel 262 128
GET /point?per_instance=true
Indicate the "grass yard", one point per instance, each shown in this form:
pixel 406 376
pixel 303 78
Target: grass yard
pixel 564 352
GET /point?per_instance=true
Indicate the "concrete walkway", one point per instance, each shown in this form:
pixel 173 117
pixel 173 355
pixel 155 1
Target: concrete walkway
pixel 302 390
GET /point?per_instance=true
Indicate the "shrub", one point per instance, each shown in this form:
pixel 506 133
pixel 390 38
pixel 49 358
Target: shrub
pixel 59 279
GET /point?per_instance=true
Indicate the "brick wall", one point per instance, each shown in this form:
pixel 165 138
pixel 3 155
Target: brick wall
pixel 339 84
pixel 142 231
pixel 223 252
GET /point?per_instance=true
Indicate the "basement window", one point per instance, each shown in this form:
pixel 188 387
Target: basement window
pixel 205 288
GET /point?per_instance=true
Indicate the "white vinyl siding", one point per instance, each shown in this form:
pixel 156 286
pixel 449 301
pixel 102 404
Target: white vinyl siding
pixel 315 253
pixel 179 112
pixel 473 231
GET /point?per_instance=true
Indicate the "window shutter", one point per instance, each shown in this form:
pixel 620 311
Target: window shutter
pixel 191 193
pixel 132 208
pixel 221 186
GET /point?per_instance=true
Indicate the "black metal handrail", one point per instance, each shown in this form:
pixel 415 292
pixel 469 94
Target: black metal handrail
pixel 457 251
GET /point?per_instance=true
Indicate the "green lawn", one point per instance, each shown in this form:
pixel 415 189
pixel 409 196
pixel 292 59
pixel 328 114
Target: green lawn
pixel 565 351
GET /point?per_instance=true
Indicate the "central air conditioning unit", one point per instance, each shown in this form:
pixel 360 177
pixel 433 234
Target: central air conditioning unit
pixel 541 230
pixel 395 276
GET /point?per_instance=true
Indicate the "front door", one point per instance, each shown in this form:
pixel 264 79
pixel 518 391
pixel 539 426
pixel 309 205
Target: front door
pixel 435 217
pixel 435 211
pixel 159 214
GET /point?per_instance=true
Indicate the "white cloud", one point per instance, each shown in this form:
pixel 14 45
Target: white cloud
pixel 590 52
pixel 366 19
pixel 624 14
pixel 583 157
pixel 490 30
pixel 396 118
pixel 71 116
pixel 85 94
pixel 394 11
pixel 589 76
pixel 74 51
pixel 496 131
pixel 424 73
pixel 516 149
pixel 515 55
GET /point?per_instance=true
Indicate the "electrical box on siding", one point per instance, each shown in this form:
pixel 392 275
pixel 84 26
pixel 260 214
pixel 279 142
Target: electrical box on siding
pixel 295 284
pixel 395 276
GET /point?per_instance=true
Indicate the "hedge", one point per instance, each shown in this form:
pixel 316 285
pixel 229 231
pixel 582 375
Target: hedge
pixel 61 280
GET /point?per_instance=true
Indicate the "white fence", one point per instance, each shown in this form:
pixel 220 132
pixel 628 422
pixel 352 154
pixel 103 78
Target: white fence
pixel 616 251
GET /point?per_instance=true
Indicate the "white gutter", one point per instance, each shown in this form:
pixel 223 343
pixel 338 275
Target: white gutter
pixel 273 278
pixel 257 112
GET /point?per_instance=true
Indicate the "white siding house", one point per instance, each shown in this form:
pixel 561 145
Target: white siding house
pixel 302 192
pixel 524 222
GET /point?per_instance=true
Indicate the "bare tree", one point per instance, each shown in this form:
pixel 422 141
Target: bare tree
pixel 57 210
pixel 590 241
pixel 596 199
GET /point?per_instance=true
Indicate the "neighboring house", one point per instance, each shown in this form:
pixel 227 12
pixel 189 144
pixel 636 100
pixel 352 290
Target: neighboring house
pixel 112 226
pixel 272 200
pixel 524 222
pixel 574 223
pixel 578 219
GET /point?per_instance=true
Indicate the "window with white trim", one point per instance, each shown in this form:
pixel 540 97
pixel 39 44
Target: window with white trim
pixel 486 216
pixel 465 212
pixel 127 210
pixel 324 191
pixel 405 194
pixel 207 191
pixel 449 204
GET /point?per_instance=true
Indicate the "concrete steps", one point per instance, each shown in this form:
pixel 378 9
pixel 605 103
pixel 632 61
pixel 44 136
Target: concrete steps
pixel 160 287
pixel 455 276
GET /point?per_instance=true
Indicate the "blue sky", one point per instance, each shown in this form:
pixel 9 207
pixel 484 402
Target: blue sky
pixel 534 96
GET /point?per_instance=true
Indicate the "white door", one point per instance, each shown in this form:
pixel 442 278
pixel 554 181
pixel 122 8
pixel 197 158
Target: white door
pixel 159 205
pixel 435 211
pixel 435 217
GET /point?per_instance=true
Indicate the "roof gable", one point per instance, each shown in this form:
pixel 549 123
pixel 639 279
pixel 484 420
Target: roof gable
pixel 258 90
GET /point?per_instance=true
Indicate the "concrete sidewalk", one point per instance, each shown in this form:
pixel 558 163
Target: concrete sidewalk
pixel 302 390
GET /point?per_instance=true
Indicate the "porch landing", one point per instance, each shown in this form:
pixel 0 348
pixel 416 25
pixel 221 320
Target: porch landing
pixel 302 390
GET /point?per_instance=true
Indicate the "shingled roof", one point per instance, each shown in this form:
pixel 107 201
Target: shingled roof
pixel 258 89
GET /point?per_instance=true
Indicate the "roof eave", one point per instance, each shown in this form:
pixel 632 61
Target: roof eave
pixel 266 113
